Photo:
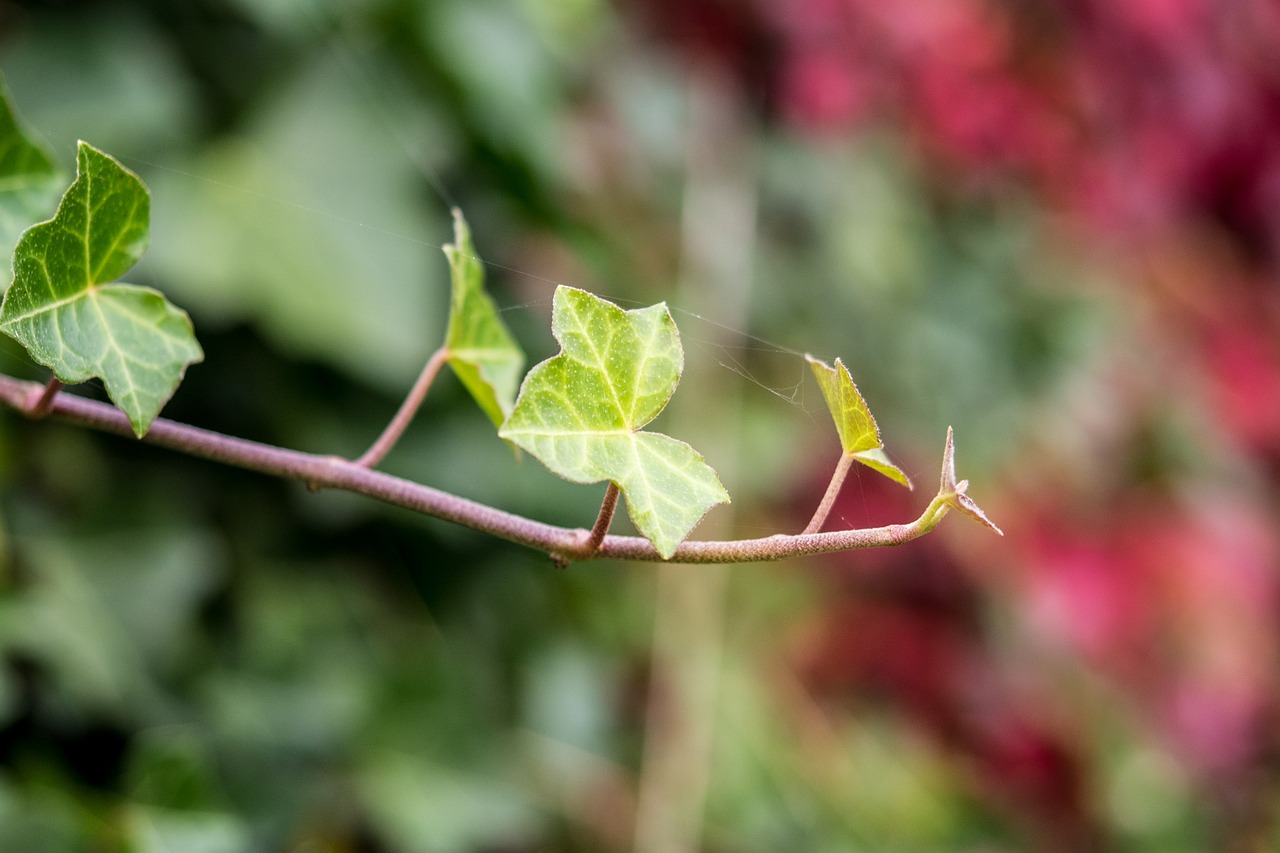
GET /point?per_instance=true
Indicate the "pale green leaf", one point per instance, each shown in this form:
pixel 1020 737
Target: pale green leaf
pixel 581 412
pixel 64 308
pixel 859 435
pixel 29 183
pixel 481 350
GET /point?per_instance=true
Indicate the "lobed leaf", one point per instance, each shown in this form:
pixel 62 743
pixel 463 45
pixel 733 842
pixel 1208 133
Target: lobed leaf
pixel 29 182
pixel 859 434
pixel 64 308
pixel 580 413
pixel 482 351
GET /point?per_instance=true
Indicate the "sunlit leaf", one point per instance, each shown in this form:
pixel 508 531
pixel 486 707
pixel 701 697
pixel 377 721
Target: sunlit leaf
pixel 859 435
pixel 29 183
pixel 66 310
pixel 482 351
pixel 581 412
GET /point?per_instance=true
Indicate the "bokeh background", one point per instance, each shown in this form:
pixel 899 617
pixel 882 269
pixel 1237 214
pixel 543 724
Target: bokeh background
pixel 1053 224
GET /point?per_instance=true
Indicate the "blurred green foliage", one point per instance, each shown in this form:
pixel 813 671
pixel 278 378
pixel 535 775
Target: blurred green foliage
pixel 198 659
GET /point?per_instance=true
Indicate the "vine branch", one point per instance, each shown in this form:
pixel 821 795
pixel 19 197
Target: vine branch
pixel 338 473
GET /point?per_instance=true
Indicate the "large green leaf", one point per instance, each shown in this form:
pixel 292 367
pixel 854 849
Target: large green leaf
pixel 859 435
pixel 29 182
pixel 64 308
pixel 481 350
pixel 581 412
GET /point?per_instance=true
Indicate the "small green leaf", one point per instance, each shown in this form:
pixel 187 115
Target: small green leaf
pixel 580 413
pixel 481 350
pixel 64 309
pixel 859 435
pixel 29 182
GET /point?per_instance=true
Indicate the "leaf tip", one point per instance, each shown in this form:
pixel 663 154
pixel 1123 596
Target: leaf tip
pixel 954 493
pixel 949 463
pixel 461 231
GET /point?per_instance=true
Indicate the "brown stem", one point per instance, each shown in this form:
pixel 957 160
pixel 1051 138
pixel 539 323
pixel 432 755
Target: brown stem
pixel 590 540
pixel 409 408
pixel 829 498
pixel 42 404
pixel 607 507
pixel 337 473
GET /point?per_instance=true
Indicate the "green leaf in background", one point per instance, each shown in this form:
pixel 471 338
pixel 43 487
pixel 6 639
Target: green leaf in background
pixel 29 182
pixel 580 413
pixel 859 435
pixel 482 351
pixel 64 309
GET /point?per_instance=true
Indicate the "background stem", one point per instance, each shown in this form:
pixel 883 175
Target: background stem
pixel 718 241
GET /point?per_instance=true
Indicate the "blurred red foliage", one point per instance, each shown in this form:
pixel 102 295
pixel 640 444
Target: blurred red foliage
pixel 1153 128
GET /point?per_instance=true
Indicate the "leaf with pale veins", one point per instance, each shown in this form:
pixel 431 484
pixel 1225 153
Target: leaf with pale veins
pixel 581 414
pixel 72 316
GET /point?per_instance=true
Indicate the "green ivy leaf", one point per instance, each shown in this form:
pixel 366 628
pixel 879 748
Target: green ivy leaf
pixel 859 435
pixel 29 182
pixel 481 350
pixel 580 413
pixel 64 309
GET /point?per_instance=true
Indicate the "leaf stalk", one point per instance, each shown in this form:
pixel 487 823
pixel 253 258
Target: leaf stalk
pixel 595 536
pixel 607 508
pixel 42 404
pixel 829 498
pixel 404 415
